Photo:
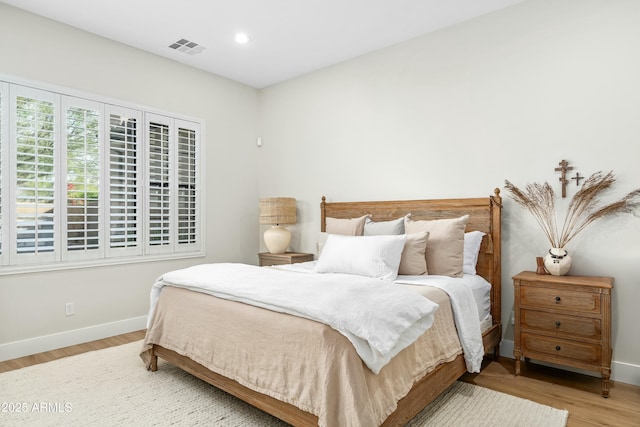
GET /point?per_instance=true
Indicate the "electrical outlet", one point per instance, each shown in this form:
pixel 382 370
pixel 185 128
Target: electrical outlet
pixel 69 309
pixel 513 318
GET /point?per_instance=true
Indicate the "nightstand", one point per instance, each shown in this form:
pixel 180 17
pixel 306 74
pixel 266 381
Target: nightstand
pixel 267 258
pixel 564 320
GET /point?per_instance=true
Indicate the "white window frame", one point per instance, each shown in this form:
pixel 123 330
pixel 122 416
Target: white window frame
pixel 11 262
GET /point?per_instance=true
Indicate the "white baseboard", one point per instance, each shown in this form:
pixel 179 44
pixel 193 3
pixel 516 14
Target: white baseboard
pixel 35 345
pixel 620 371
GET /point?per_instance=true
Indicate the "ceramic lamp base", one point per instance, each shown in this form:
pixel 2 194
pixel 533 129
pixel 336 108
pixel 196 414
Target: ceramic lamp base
pixel 277 239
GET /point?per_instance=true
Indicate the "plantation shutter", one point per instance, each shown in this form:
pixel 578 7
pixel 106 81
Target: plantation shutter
pixel 83 132
pixel 188 221
pixel 34 204
pixel 125 176
pixel 85 182
pixel 159 131
pixel 4 170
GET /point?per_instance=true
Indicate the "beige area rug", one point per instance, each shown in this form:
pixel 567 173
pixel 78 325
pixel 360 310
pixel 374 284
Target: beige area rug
pixel 111 387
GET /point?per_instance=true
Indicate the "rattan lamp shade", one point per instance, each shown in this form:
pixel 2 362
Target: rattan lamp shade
pixel 276 211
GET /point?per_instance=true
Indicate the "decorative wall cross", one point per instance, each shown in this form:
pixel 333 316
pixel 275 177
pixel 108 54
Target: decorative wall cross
pixel 564 167
pixel 578 178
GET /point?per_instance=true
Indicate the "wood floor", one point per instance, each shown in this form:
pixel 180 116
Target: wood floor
pixel 579 394
pixel 48 356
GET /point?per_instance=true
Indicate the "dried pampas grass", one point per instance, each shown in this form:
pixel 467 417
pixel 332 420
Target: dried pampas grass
pixel 584 208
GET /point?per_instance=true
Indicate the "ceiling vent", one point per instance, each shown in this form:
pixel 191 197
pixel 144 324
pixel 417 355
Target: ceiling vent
pixel 186 46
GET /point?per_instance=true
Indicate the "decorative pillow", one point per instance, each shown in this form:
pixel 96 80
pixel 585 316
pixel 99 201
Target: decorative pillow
pixel 379 228
pixel 413 261
pixel 347 227
pixel 372 256
pixel 472 242
pixel 445 245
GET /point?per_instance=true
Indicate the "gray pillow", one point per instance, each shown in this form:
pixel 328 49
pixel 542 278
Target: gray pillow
pixel 382 228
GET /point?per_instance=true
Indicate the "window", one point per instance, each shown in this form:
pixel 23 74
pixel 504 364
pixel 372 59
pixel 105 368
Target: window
pixel 159 184
pixel 82 134
pixel 84 181
pixel 124 182
pixel 34 144
pixel 187 199
pixel 4 148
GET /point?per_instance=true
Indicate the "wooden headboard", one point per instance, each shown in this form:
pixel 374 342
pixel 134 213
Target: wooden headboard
pixel 484 215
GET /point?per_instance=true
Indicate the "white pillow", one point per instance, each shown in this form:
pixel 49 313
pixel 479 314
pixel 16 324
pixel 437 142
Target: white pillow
pixel 378 228
pixel 372 256
pixel 472 242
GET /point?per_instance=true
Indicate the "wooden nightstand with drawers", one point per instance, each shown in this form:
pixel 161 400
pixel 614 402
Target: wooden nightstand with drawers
pixel 564 320
pixel 267 258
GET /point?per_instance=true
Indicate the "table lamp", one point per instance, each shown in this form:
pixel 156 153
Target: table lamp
pixel 275 212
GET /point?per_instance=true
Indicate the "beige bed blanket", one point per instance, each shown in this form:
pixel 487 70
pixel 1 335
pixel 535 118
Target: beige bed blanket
pixel 296 360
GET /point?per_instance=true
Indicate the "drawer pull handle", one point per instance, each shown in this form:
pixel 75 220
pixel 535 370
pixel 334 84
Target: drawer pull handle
pixel 557 348
pixel 558 300
pixel 557 323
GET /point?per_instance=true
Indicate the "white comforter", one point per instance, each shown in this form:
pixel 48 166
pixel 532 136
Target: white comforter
pixel 378 318
pixel 465 313
pixel 465 310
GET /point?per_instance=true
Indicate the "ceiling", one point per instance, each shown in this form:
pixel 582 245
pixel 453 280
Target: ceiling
pixel 288 37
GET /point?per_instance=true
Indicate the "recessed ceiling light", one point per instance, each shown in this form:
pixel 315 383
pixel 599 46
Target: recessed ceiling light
pixel 242 38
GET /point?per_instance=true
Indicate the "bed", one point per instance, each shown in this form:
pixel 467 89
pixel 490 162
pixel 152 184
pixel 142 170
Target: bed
pixel 281 335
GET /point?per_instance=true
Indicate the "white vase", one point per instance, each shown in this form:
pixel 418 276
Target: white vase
pixel 557 261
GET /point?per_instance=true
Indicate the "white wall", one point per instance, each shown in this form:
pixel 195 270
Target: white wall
pixel 456 112
pixel 115 299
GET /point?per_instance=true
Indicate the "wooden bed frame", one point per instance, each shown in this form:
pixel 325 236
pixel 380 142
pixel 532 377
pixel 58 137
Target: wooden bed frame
pixel 484 215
